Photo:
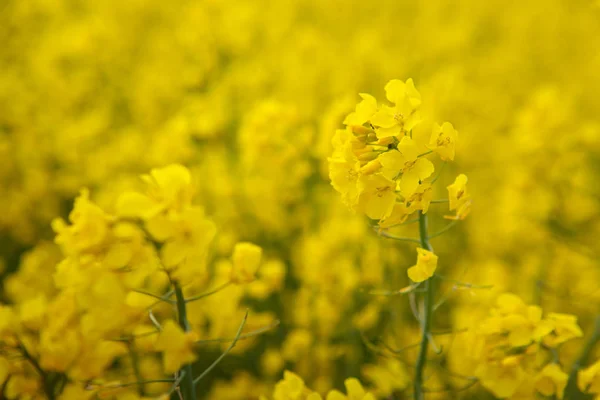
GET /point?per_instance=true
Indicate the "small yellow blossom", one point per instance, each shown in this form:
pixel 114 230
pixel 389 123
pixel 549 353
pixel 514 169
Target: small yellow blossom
pixel 246 260
pixel 167 188
pixel 377 196
pixel 551 381
pixel 565 329
pixel 363 112
pixel 176 345
pixel 457 192
pixel 403 116
pixel 443 140
pixel 588 379
pixel 406 161
pixel 425 267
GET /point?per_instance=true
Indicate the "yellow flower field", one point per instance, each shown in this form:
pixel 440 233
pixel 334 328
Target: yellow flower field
pixel 299 199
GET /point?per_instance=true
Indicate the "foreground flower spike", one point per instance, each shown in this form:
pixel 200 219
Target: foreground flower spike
pixel 380 169
pixel 384 171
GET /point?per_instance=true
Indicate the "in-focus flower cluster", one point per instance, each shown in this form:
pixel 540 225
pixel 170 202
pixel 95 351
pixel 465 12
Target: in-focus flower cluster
pixel 380 166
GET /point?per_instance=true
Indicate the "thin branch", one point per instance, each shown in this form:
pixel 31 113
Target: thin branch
pixel 242 336
pixel 161 298
pixel 231 346
pixel 176 384
pixel 205 294
pixel 444 229
pixel 112 386
pixel 404 290
pixel 405 239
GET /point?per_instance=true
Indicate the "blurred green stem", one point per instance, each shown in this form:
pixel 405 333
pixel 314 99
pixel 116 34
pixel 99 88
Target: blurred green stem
pixel 572 391
pixel 187 384
pixel 419 393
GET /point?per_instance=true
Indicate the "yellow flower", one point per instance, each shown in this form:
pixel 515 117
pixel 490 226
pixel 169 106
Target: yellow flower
pixel 565 328
pixel 420 199
pixel 501 378
pixel 168 188
pixel 246 260
pixel 406 160
pixel 377 196
pixel 403 116
pixel 443 140
pixel 176 345
pixel 344 178
pixel 425 267
pixel 551 381
pixel 457 192
pixel 89 227
pixel 363 112
pixel 290 388
pixel 588 380
pixel 398 215
pixel 354 391
pixel 185 236
pixel 388 377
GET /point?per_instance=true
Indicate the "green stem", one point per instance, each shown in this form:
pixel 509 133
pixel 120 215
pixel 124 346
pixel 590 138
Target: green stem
pixel 572 391
pixel 419 393
pixel 48 387
pixel 136 368
pixel 187 385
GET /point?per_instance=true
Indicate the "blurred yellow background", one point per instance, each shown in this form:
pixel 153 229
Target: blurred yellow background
pixel 248 95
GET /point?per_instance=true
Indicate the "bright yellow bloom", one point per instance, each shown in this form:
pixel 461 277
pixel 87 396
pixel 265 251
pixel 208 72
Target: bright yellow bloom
pixel 425 267
pixel 588 379
pixel 363 112
pixel 551 381
pixel 89 227
pixel 405 161
pixel 186 235
pixel 565 328
pixel 246 260
pixel 501 378
pixel 176 345
pixel 420 199
pixel 403 116
pixel 398 215
pixel 377 196
pixel 443 140
pixel 457 192
pixel 167 188
pixel 344 178
pixel 290 388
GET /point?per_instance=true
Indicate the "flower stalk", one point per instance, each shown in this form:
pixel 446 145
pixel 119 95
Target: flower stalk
pixel 419 393
pixel 187 384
